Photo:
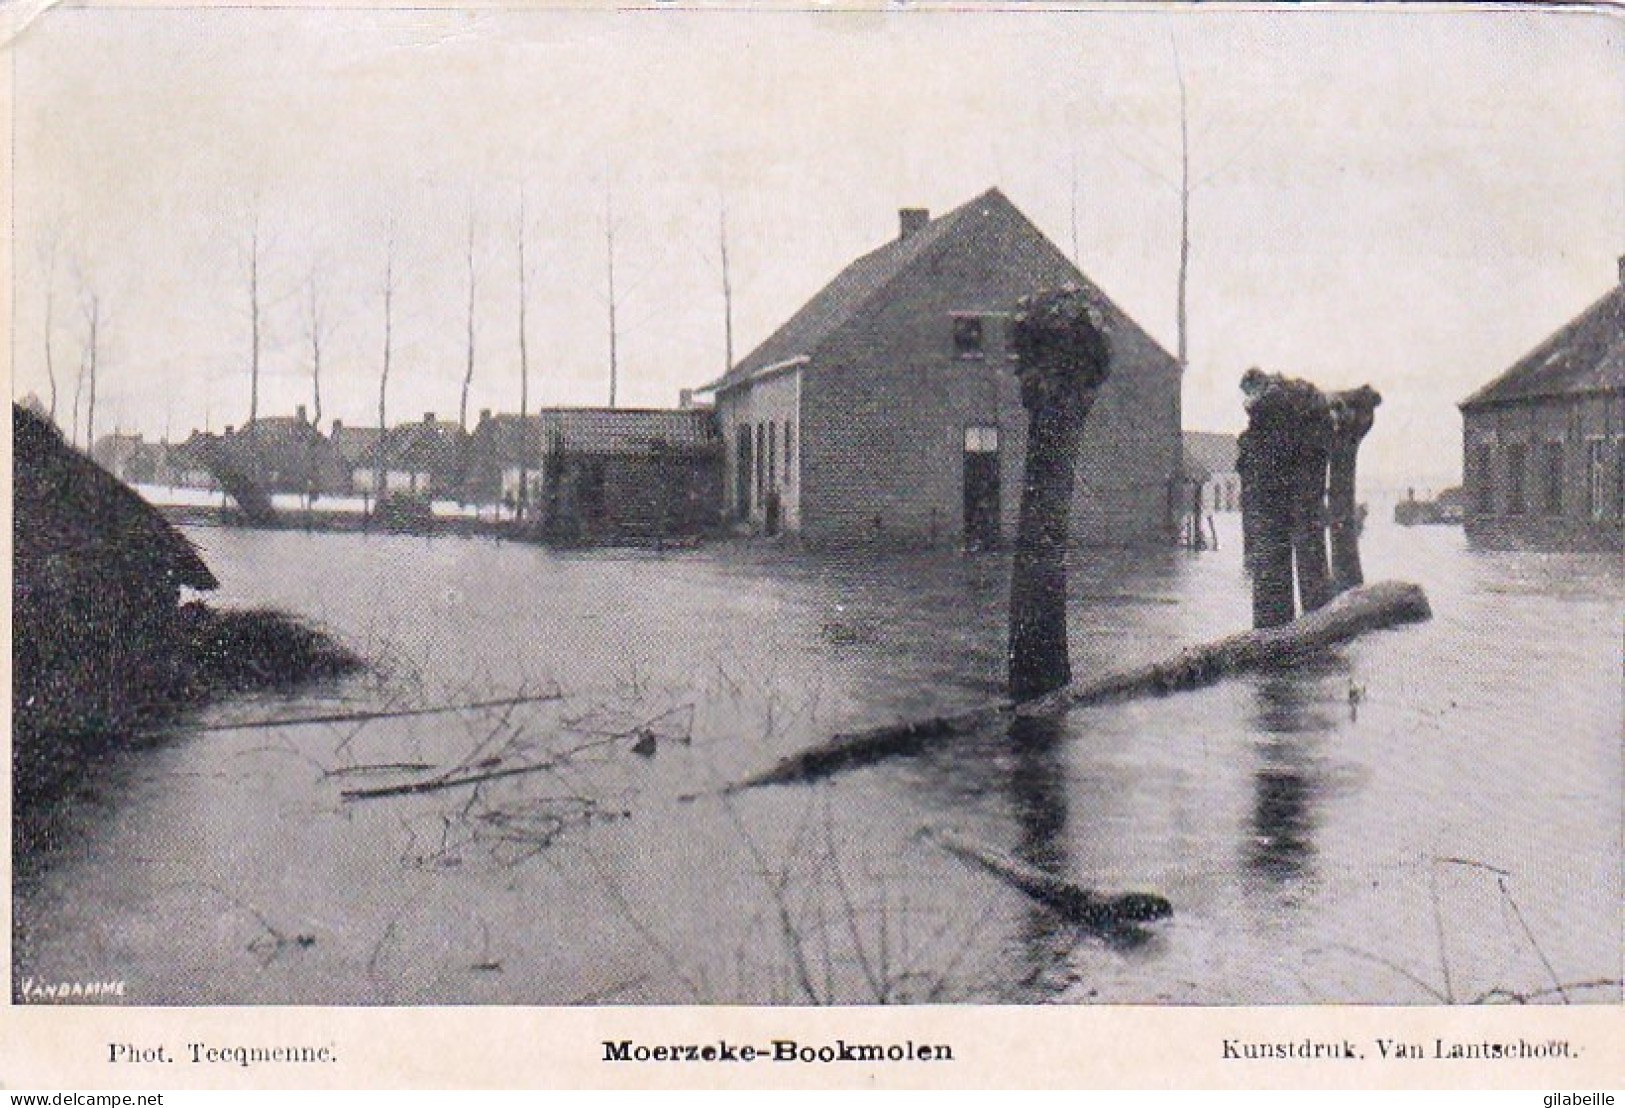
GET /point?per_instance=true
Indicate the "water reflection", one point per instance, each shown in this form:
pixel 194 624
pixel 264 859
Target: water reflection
pixel 1287 784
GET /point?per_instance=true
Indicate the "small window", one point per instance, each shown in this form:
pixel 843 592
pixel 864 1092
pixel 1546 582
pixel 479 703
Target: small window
pixel 1516 454
pixel 1596 486
pixel 1554 478
pixel 968 336
pixel 1485 474
pixel 789 456
pixel 981 440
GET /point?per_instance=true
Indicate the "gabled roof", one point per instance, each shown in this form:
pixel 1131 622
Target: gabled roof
pixel 1210 452
pixel 1585 355
pixel 357 446
pixel 865 280
pixel 845 296
pixel 602 431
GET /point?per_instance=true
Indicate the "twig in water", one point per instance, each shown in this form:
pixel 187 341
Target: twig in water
pixel 356 717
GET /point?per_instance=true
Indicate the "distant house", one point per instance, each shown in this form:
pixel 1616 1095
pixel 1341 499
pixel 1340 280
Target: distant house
pixel 597 474
pixel 1544 443
pixel 97 575
pixel 1210 460
pixel 283 454
pixel 887 408
pixel 425 459
pixel 356 449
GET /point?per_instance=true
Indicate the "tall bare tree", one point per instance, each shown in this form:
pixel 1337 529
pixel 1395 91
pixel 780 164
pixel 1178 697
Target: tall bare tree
pixel 609 251
pixel 727 295
pixel 468 372
pixel 254 327
pixel 522 494
pixel 78 395
pixel 315 332
pixel 379 477
pixel 93 316
pixel 1184 200
pixel 48 262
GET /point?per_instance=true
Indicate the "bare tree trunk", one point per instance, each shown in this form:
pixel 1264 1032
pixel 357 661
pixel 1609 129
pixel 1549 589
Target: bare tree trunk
pixel 254 320
pixel 93 320
pixel 468 372
pixel 50 323
pixel 1063 358
pixel 1353 413
pixel 522 495
pixel 609 249
pixel 1184 208
pixel 380 475
pixel 727 299
pixel 315 353
pixel 78 394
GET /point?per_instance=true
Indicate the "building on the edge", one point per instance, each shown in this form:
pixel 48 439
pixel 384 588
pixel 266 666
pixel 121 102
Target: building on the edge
pixel 1544 443
pixel 887 408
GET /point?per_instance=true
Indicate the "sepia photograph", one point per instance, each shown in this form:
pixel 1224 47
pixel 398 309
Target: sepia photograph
pixel 819 506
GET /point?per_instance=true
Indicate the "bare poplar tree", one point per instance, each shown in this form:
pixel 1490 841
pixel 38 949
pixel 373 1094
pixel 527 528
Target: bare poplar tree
pixel 254 327
pixel 727 296
pixel 93 315
pixel 379 474
pixel 609 251
pixel 1184 200
pixel 522 495
pixel 315 334
pixel 468 372
pixel 48 261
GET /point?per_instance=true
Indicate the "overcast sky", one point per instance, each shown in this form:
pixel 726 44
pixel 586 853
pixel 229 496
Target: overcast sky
pixel 1411 200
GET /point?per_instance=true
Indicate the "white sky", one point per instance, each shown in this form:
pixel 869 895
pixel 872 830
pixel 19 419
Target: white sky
pixel 1411 200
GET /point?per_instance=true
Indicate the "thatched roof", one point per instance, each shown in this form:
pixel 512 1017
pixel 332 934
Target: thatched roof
pixel 67 507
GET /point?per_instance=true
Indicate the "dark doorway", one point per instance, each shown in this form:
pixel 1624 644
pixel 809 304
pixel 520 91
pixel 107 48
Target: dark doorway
pixel 742 474
pixel 981 488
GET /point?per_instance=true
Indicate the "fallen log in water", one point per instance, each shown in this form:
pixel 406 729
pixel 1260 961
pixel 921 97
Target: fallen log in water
pixel 1071 902
pixel 1367 608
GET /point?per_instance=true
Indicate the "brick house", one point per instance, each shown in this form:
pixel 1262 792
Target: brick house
pixel 887 409
pixel 424 459
pixel 1544 443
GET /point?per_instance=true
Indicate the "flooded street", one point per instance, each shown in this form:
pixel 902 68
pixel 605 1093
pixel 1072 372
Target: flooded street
pixel 1427 815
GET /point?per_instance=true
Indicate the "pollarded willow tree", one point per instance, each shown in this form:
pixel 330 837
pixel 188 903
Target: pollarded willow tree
pixel 1063 357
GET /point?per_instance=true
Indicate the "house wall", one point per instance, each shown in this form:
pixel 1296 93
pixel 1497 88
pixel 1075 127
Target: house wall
pixel 766 410
pixel 885 407
pixel 1581 520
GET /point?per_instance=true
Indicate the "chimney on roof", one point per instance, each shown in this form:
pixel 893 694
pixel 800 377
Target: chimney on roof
pixel 299 414
pixel 685 399
pixel 229 428
pixel 338 425
pixel 910 220
pixel 428 417
pixel 485 415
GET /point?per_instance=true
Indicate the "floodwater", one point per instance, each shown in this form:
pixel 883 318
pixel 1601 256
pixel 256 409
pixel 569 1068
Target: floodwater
pixel 1430 814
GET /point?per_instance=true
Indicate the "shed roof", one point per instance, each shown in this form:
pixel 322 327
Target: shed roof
pixel 1210 452
pixel 1585 355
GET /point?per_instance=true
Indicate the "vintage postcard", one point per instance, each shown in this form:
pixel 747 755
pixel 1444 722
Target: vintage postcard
pixel 562 544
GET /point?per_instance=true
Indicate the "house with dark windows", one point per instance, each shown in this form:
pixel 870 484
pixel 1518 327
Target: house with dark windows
pixel 1544 443
pixel 886 409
